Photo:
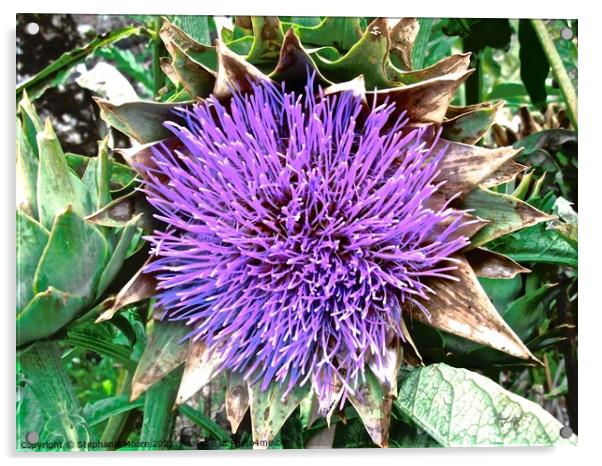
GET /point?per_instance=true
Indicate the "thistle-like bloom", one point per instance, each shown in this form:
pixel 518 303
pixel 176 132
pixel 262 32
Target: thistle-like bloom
pixel 298 228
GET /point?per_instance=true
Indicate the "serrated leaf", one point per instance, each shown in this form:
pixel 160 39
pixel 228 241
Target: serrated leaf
pixel 548 139
pixel 74 258
pixel 462 408
pixel 31 241
pixel 56 184
pixel 46 313
pixel 506 213
pixel 270 409
pixel 537 244
pixel 163 353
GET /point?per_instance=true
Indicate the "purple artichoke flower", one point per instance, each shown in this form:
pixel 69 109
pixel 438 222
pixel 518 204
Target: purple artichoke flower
pixel 298 227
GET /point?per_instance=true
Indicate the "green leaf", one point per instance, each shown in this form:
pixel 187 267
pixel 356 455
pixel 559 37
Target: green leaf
pixel 458 407
pixel 502 292
pixel 270 408
pixel 534 65
pixel 471 126
pixel 118 257
pixel 65 427
pixel 506 214
pixel 84 337
pixel 142 121
pixel 367 57
pixel 338 32
pixel 47 313
pixel 31 241
pixel 129 64
pixel 291 434
pixel 103 181
pixel 57 71
pixel 548 139
pixel 29 416
pixel 195 26
pixel 212 428
pixel 121 175
pixel 267 41
pixel 57 186
pixel 537 244
pixel 163 353
pixel 420 49
pixel 528 312
pixel 159 415
pixel 27 173
pixel 74 257
pixel 103 409
pixel 32 125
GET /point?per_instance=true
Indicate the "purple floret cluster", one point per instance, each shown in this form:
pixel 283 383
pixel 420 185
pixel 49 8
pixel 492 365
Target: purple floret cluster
pixel 298 227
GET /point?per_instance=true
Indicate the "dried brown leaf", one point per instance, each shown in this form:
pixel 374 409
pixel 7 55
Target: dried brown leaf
pixel 461 307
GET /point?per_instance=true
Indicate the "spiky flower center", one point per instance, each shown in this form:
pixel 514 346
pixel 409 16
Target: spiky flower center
pixel 299 227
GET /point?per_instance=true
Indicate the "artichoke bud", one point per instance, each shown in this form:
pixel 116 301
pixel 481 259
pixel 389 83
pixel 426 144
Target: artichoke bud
pixel 64 262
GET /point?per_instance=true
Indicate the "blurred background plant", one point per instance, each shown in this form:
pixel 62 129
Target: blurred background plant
pixel 63 61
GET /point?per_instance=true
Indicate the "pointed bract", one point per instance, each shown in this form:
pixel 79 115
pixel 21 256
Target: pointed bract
pixel 201 367
pixel 463 309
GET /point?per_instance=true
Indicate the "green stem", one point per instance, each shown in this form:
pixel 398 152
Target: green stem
pixel 50 384
pixel 116 424
pixel 159 415
pixel 558 69
pixel 158 79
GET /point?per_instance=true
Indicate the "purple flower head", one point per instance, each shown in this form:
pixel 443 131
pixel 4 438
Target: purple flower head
pixel 297 231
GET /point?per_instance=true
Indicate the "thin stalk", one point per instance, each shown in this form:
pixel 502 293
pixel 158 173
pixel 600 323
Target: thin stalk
pixel 158 78
pixel 50 384
pixel 159 412
pixel 558 69
pixel 115 425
